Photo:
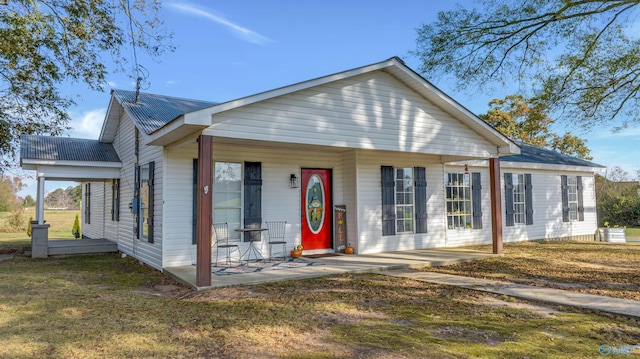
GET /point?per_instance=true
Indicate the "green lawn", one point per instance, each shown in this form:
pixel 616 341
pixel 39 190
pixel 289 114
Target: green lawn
pixel 113 307
pixel 61 223
pixel 632 232
pixel 600 268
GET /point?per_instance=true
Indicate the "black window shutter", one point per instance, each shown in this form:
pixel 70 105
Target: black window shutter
pixel 508 199
pixel 152 166
pixel 528 199
pixel 580 199
pixel 420 178
pixel 252 197
pixel 117 205
pixel 565 198
pixel 194 206
pixel 113 199
pixel 87 204
pixel 476 198
pixel 388 201
pixel 136 198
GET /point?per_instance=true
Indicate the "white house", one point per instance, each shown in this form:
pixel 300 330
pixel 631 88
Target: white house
pixel 411 166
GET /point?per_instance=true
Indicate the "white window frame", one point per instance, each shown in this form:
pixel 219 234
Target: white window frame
pixel 404 192
pixel 219 190
pixel 519 199
pixel 457 218
pixel 572 195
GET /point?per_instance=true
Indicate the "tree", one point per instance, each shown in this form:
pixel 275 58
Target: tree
pixel 528 121
pixel 9 187
pixel 75 196
pixel 571 145
pixel 617 198
pixel 48 43
pixel 29 201
pixel 595 78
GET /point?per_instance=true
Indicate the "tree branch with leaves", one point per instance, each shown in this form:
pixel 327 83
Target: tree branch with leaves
pixel 576 55
pixel 44 44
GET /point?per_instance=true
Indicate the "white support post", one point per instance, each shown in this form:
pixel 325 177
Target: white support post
pixel 40 200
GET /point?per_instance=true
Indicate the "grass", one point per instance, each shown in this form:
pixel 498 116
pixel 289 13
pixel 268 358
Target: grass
pixel 107 306
pixel 608 269
pixel 632 232
pixel 61 223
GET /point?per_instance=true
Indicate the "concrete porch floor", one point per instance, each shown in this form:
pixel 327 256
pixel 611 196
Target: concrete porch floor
pixel 327 266
pixel 62 247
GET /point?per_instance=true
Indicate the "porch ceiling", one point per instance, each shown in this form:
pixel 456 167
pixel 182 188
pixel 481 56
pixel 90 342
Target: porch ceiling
pixel 70 171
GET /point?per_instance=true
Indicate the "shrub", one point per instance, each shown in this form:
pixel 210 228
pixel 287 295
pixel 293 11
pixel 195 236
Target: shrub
pixel 16 219
pixel 29 229
pixel 76 227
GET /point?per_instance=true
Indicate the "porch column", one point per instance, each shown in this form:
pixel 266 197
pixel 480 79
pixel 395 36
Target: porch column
pixel 40 199
pixel 496 205
pixel 204 211
pixel 39 230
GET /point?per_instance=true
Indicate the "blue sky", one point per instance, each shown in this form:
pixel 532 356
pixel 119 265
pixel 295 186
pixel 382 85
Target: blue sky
pixel 231 49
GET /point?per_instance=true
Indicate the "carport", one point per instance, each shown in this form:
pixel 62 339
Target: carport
pixel 63 159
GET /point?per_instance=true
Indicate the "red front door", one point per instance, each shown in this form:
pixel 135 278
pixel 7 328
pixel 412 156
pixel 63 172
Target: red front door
pixel 316 209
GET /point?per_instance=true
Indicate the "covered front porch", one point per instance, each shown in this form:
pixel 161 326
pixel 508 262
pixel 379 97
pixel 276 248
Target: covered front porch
pixel 66 159
pixel 326 266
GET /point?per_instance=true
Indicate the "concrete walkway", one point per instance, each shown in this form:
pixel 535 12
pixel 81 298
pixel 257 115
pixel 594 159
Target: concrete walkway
pixel 557 296
pixel 327 266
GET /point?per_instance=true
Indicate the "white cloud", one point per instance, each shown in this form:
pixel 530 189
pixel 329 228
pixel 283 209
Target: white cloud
pixel 627 132
pixel 244 33
pixel 88 124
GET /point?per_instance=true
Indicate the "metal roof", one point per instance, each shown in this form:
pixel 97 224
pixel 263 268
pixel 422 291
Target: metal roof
pixel 151 112
pixel 533 154
pixel 66 149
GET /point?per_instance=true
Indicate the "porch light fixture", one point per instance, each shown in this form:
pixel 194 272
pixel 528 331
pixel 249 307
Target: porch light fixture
pixel 293 181
pixel 466 169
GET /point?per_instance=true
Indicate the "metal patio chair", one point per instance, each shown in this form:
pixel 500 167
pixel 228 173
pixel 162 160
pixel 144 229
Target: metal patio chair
pixel 222 242
pixel 276 229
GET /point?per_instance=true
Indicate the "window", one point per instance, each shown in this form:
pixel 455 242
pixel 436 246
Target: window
pixel 518 199
pixel 458 191
pixel 572 198
pixel 404 200
pixel 572 191
pixel 115 200
pixel 227 196
pixel 145 201
pixel 87 203
pixel 145 195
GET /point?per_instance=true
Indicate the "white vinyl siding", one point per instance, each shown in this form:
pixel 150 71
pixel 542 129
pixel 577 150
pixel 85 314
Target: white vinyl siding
pixel 122 231
pixel 95 228
pixel 280 202
pixel 370 238
pixel 371 111
pixel 547 208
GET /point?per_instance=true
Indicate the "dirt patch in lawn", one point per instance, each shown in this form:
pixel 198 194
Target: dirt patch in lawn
pixel 473 335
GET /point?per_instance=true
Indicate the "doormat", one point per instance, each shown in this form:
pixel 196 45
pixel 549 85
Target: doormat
pixel 323 255
pixel 259 266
